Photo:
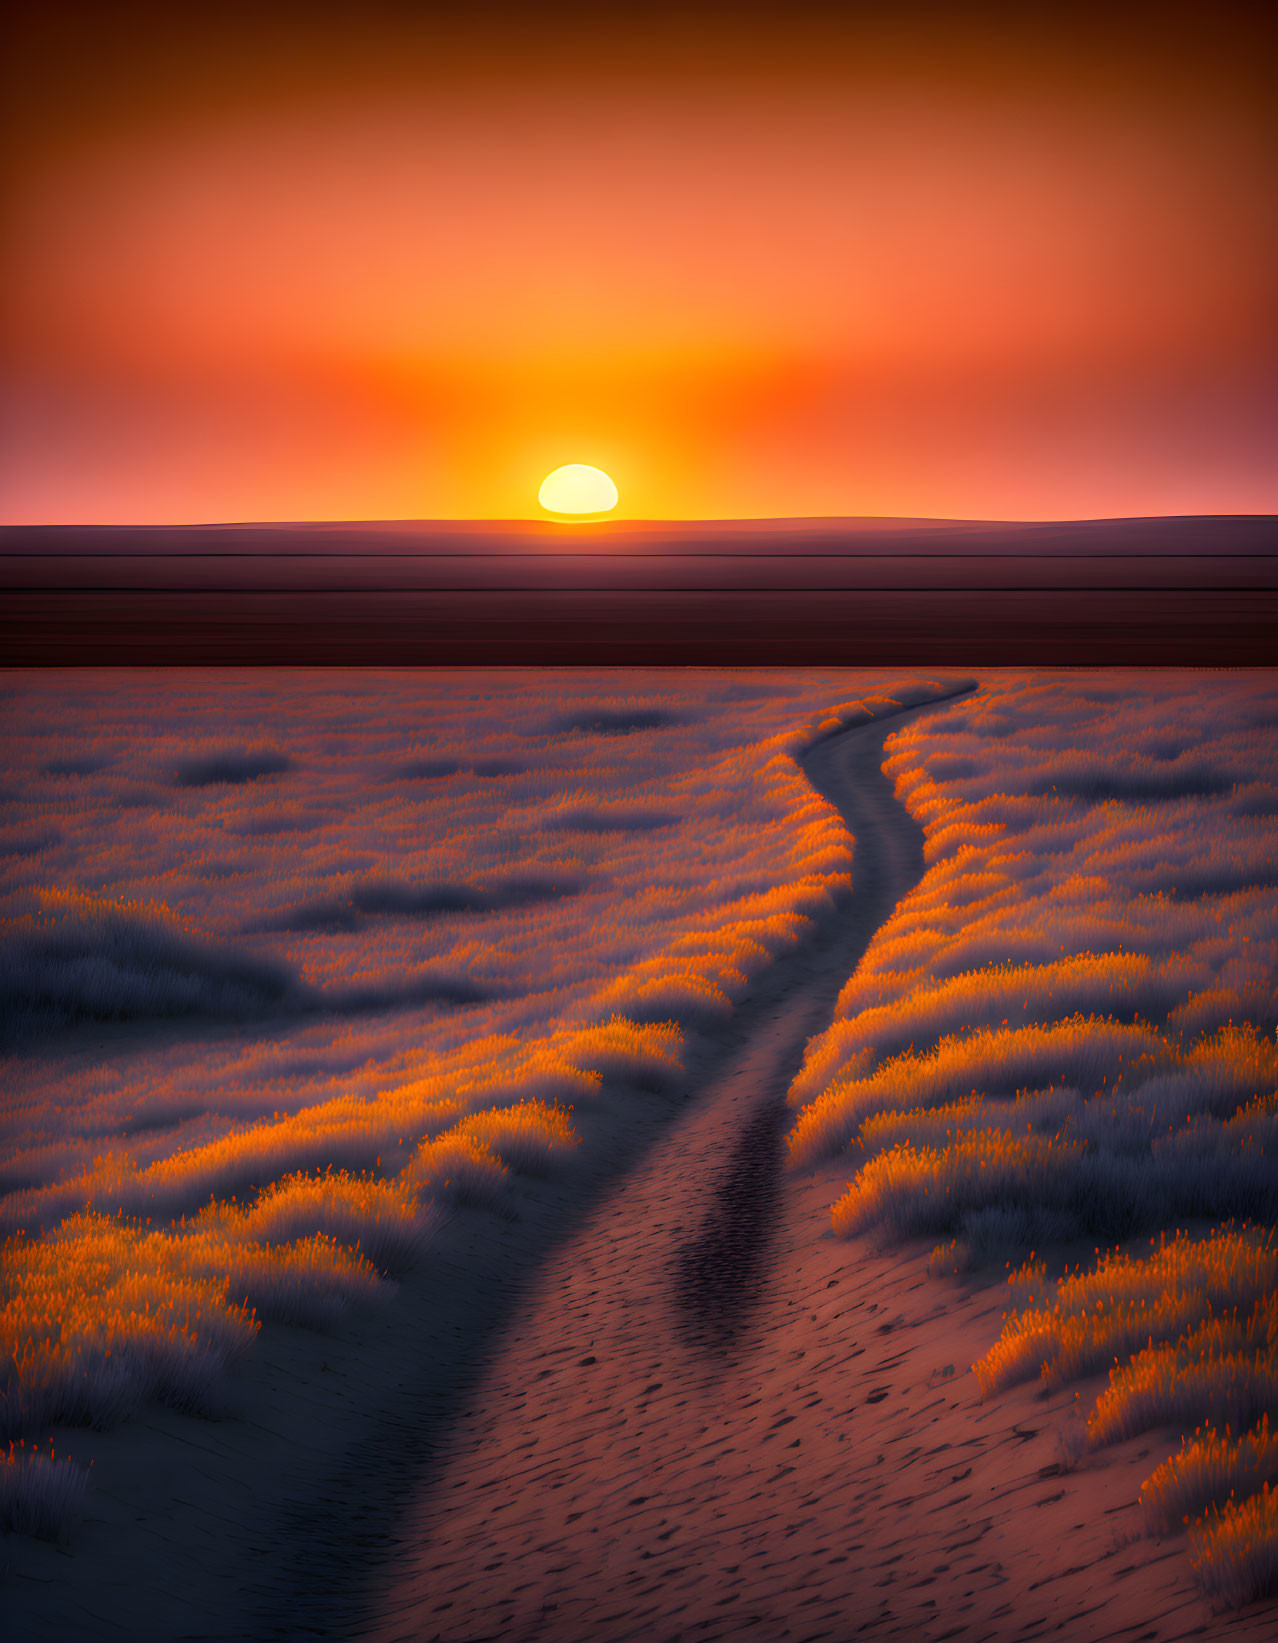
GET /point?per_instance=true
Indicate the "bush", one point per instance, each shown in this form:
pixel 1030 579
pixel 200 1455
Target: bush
pixel 381 1218
pixel 1234 1552
pixel 1083 1323
pixel 41 1495
pixel 1209 1467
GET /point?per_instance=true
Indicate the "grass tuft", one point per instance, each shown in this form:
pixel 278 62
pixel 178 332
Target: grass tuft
pixel 41 1495
pixel 1210 1466
pixel 1083 1323
pixel 1067 1030
pixel 1234 1551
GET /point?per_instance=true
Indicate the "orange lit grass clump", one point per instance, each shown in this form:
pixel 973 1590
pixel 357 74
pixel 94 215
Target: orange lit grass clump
pixel 459 1169
pixel 1209 1467
pixel 1002 1060
pixel 1191 1330
pixel 911 1189
pixel 699 977
pixel 1224 1370
pixel 1087 1320
pixel 101 1316
pixel 1067 1030
pixel 469 1162
pixel 381 1219
pixel 1097 986
pixel 1234 1549
pixel 349 1132
pixel 149 1256
pixel 921 1126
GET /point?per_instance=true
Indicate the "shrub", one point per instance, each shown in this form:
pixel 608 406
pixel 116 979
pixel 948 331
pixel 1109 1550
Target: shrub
pixel 1211 1466
pixel 40 1495
pixel 1079 1325
pixel 911 1190
pixel 381 1218
pixel 1234 1552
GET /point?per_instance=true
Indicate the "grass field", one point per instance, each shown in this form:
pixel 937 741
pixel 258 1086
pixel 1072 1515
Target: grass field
pixel 1064 1038
pixel 293 972
pixel 289 970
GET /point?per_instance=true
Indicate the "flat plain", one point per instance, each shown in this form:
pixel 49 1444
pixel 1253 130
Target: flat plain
pixel 758 1153
pixel 842 593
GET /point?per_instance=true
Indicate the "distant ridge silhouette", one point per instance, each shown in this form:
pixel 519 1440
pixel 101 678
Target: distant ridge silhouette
pixel 1188 590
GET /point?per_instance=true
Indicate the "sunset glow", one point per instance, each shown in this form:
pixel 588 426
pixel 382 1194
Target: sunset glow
pixel 638 939
pixel 851 264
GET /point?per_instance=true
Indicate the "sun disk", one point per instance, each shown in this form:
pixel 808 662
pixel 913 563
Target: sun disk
pixel 577 488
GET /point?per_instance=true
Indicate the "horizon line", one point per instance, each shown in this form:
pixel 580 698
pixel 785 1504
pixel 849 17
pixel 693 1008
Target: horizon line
pixel 588 522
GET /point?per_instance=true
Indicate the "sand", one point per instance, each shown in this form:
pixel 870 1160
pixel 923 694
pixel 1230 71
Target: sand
pixel 663 1402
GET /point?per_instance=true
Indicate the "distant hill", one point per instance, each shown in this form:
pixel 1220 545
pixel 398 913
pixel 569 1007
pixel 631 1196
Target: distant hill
pixel 822 592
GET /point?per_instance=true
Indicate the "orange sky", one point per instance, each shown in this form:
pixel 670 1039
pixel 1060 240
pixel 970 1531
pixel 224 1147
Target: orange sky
pixel 276 263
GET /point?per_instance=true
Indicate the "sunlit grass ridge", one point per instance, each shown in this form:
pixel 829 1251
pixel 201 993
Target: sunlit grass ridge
pixel 433 943
pixel 1066 1031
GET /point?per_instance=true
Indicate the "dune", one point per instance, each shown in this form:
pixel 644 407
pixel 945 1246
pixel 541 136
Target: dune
pixel 654 1398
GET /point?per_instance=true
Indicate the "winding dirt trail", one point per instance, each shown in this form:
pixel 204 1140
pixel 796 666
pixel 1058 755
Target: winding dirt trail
pixel 685 1411
pixel 708 1419
pixel 615 1460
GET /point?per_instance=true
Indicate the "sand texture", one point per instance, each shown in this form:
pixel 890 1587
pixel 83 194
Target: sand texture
pixel 663 1402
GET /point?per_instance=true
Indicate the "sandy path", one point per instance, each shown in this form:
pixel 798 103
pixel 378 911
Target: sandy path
pixel 270 1521
pixel 709 1419
pixel 657 1403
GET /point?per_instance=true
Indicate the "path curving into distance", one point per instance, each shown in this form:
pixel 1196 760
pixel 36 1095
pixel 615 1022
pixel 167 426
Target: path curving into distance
pixel 660 1402
pixel 639 1454
pixel 706 1418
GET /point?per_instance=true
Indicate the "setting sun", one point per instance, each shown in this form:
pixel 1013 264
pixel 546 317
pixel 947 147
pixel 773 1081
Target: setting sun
pixel 577 488
pixel 651 1008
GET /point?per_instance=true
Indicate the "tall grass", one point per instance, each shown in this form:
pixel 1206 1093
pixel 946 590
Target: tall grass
pixel 1086 1320
pixel 1234 1550
pixel 999 1061
pixel 381 1218
pixel 1211 1466
pixel 1224 1372
pixel 41 1495
pixel 101 1316
pixel 912 1189
pixel 440 914
pixel 1191 1329
pixel 1067 1030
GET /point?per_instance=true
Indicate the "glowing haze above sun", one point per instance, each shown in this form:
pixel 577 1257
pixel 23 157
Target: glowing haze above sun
pixel 577 488
pixel 997 261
